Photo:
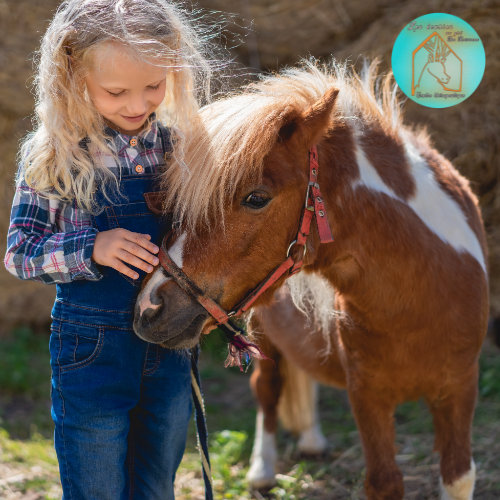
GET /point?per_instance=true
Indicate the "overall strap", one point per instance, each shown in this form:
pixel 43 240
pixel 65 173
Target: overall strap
pixel 201 423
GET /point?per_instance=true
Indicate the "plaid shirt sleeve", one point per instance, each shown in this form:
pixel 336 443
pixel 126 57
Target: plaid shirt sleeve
pixel 49 241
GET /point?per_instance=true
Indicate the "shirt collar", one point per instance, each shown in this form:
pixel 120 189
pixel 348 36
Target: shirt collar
pixel 147 136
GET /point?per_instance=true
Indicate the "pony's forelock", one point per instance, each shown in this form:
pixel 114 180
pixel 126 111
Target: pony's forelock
pixel 227 146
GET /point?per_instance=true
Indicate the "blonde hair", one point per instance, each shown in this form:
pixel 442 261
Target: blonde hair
pixel 52 159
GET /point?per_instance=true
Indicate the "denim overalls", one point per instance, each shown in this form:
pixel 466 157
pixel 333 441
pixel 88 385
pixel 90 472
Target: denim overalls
pixel 121 406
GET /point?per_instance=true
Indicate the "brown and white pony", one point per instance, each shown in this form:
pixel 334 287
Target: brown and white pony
pixel 408 263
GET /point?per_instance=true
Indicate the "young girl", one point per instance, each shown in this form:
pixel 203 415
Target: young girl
pixel 112 74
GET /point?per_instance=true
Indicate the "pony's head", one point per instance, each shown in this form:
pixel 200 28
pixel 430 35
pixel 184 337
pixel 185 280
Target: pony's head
pixel 239 207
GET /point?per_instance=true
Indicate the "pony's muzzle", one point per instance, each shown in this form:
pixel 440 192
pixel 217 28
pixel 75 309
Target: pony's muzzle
pixel 166 315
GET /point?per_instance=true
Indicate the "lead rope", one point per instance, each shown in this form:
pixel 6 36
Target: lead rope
pixel 201 424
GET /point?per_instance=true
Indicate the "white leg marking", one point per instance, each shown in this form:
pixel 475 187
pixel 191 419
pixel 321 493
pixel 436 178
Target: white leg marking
pixel 312 440
pixel 177 249
pixel 462 488
pixel 439 212
pixel 145 296
pixel 264 455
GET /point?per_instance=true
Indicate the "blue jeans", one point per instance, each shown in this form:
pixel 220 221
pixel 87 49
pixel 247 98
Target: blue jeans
pixel 121 408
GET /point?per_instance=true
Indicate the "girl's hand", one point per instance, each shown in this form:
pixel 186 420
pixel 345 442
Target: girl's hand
pixel 114 247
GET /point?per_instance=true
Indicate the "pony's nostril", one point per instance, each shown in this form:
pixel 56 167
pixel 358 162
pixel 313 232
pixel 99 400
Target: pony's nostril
pixel 151 311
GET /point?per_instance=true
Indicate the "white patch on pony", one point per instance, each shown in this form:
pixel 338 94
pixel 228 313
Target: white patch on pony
pixel 462 488
pixel 439 212
pixel 177 249
pixel 312 440
pixel 264 456
pixel 144 298
pixel 368 175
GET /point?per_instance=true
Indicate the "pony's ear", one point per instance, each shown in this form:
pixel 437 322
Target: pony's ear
pixel 313 123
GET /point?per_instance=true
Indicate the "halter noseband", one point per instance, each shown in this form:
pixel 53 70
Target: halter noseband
pixel 313 206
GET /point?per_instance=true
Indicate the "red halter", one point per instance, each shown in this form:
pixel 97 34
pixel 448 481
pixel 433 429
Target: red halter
pixel 313 206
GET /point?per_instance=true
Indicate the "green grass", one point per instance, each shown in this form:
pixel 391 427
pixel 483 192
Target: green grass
pixel 25 384
pixel 25 364
pixel 28 452
pixel 32 466
pixel 27 447
pixel 489 375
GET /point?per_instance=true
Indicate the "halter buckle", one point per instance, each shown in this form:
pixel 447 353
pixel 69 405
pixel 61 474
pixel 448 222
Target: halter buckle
pixel 308 195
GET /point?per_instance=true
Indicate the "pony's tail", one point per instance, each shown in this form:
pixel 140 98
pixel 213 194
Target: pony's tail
pixel 297 404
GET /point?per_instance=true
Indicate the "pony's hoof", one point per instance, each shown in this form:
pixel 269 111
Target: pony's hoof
pixel 261 475
pixel 312 441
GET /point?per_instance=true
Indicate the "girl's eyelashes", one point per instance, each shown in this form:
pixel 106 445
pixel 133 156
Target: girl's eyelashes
pixel 152 87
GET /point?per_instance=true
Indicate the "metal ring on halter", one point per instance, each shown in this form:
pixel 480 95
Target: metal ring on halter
pixel 306 205
pixel 294 242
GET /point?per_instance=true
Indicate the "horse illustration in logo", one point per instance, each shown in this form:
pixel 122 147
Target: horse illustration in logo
pixel 435 66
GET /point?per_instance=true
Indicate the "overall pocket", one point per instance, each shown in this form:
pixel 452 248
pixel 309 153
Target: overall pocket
pixel 74 346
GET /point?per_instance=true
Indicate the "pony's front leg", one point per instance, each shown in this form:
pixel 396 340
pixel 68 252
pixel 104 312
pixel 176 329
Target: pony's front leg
pixel 374 412
pixel 266 386
pixel 453 414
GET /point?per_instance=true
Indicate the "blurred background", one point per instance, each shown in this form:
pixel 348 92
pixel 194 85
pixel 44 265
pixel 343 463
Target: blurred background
pixel 280 33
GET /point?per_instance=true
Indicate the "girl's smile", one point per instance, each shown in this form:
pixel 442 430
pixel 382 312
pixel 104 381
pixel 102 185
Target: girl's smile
pixel 135 118
pixel 124 90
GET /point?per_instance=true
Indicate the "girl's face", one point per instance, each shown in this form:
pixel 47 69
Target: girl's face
pixel 123 90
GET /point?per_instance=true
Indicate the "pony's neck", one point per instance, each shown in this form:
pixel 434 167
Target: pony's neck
pixel 355 159
pixel 400 215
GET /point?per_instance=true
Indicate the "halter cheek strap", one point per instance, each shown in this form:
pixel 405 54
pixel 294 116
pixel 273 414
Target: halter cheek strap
pixel 239 345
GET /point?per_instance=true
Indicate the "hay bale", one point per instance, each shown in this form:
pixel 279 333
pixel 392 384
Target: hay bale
pixel 467 134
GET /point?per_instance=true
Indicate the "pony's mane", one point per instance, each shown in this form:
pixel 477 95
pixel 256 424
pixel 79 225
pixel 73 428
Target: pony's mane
pixel 314 297
pixel 228 144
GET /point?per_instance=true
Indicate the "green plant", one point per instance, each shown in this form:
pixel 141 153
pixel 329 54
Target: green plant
pixel 489 375
pixel 25 364
pixel 226 448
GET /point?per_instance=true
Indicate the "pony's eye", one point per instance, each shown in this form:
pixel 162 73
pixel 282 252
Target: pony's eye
pixel 256 200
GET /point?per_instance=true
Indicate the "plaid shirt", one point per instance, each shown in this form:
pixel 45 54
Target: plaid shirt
pixel 51 241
